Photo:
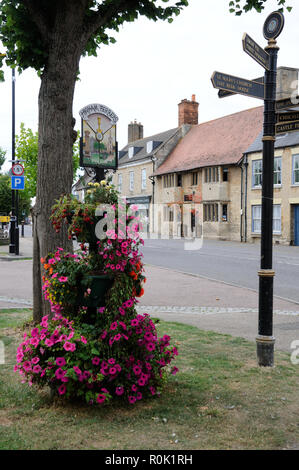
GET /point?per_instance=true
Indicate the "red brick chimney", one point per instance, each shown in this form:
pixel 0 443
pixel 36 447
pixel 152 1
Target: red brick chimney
pixel 188 111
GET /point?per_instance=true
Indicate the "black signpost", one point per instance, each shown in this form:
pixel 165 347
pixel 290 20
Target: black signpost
pixel 256 52
pixel 238 85
pixel 267 91
pixel 286 103
pixel 224 93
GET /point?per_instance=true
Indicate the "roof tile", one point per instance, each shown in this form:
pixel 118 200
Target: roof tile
pixel 219 142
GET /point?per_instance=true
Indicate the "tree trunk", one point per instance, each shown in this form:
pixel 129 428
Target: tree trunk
pixel 56 137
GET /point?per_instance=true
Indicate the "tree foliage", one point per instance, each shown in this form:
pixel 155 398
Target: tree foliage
pixel 5 198
pixel 27 153
pixel 26 27
pixel 2 157
pixel 240 6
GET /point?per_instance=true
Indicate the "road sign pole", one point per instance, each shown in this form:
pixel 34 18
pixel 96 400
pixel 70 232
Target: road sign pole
pixel 12 234
pixel 265 339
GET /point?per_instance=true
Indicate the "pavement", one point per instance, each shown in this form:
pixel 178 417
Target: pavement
pixel 172 296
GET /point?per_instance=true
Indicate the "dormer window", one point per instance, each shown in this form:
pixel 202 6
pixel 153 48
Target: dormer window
pixel 149 146
pixel 131 152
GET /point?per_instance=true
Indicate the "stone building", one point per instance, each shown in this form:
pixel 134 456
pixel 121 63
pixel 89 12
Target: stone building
pixel 198 187
pixel 286 190
pixel 138 160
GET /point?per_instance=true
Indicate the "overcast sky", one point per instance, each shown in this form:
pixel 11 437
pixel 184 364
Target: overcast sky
pixel 153 66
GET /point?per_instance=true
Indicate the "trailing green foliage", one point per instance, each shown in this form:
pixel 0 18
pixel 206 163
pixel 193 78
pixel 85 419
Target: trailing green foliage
pixel 238 6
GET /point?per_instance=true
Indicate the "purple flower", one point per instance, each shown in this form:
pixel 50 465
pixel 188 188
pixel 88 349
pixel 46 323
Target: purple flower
pixel 119 391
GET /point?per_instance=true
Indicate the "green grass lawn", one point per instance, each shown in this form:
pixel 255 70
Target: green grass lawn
pixel 220 399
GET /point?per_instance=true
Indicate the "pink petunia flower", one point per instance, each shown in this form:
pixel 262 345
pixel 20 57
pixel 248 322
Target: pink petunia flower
pixel 150 346
pixel 137 370
pixel 119 391
pixel 60 373
pixel 113 325
pixel 77 370
pixel 37 369
pixel 132 399
pixel 95 361
pixel 35 360
pixel 101 398
pixel 69 346
pixel 62 389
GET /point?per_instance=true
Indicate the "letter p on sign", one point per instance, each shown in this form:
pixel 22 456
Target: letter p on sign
pixel 17 182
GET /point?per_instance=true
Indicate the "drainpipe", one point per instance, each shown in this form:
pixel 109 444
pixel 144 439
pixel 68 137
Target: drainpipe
pixel 246 190
pixel 152 178
pixel 241 216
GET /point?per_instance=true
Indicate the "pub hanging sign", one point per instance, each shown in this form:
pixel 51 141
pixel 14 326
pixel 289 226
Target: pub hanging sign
pixel 98 137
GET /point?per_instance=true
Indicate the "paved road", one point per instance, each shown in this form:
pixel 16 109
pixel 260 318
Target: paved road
pixel 173 296
pixel 234 263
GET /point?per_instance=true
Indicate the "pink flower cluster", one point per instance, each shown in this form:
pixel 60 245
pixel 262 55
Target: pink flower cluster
pixel 119 252
pixel 39 342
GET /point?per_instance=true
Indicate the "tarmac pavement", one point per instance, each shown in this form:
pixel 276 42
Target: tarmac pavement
pixel 171 296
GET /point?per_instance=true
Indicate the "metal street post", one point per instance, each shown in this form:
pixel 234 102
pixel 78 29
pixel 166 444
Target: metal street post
pixel 265 339
pixel 13 220
pixel 264 89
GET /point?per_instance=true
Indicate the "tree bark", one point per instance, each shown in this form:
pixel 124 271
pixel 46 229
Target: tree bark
pixel 56 138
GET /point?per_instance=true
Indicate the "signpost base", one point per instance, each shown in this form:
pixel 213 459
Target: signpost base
pixel 265 350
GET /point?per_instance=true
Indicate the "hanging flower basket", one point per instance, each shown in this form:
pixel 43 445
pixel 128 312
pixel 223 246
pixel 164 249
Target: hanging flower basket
pixel 96 346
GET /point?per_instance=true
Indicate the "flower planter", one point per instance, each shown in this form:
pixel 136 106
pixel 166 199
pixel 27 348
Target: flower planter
pixel 99 285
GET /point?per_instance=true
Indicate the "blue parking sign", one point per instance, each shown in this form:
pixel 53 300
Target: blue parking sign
pixel 17 182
